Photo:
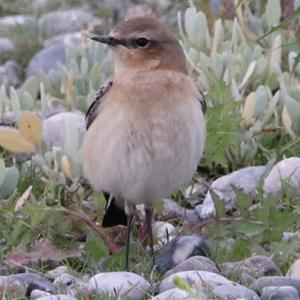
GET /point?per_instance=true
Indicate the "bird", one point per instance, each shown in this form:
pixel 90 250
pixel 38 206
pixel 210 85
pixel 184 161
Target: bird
pixel 146 128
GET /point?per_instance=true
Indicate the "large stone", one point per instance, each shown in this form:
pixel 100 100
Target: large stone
pixel 53 133
pixel 10 74
pixel 247 270
pixel 294 270
pixel 279 293
pixel 275 281
pixel 47 59
pixel 178 250
pixel 59 22
pixel 195 278
pixel 125 285
pixel 246 180
pixel 6 47
pixel 196 263
pixel 286 171
pixel 172 294
pixel 229 292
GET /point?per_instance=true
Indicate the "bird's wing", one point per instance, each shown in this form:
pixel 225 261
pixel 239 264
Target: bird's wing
pixel 92 111
pixel 201 99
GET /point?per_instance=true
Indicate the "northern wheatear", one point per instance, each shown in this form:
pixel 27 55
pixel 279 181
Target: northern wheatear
pixel 146 129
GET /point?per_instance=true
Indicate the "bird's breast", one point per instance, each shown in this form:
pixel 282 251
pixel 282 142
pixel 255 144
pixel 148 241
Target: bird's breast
pixel 147 139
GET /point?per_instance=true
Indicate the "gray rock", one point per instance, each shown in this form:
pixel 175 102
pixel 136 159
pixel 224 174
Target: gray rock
pixel 52 127
pixel 247 270
pixel 174 294
pixel 34 282
pixel 67 39
pixel 275 281
pixel 64 280
pixel 288 171
pixel 171 210
pixel 52 274
pixel 196 263
pixel 229 292
pixel 10 74
pixel 6 46
pixel 7 23
pixel 194 278
pixel 59 22
pixel 47 59
pixel 246 179
pixel 163 232
pixel 279 293
pixel 178 250
pixel 191 216
pixel 37 294
pixel 57 297
pixel 294 270
pixel 125 285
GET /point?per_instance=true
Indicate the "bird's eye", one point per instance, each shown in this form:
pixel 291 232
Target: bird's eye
pixel 142 42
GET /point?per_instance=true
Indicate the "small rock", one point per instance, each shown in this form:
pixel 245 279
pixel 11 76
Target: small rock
pixel 52 274
pixel 6 46
pixel 178 250
pixel 52 127
pixel 37 294
pixel 11 286
pixel 279 293
pixel 194 263
pixel 294 270
pixel 191 216
pixel 125 285
pixel 246 179
pixel 54 23
pixel 47 59
pixel 288 171
pixel 64 280
pixel 174 294
pixel 163 232
pixel 57 297
pixel 229 292
pixel 10 73
pixel 171 210
pixel 194 278
pixel 275 281
pixel 7 23
pixel 247 270
pixel 34 282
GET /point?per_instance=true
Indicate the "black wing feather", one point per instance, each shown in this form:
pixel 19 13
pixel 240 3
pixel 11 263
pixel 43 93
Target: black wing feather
pixel 92 111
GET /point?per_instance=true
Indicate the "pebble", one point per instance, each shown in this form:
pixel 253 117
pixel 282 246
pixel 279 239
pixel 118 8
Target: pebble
pixel 174 294
pixel 229 292
pixel 126 285
pixel 247 270
pixel 194 278
pixel 196 263
pixel 36 294
pixel 57 297
pixel 294 270
pixel 163 232
pixel 52 274
pixel 287 170
pixel 171 210
pixel 276 281
pixel 246 179
pixel 178 250
pixel 34 282
pixel 279 293
pixel 10 73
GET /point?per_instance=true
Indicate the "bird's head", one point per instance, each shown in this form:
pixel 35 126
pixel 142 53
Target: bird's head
pixel 143 43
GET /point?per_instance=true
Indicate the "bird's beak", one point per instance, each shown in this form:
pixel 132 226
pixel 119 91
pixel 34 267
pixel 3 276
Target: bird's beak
pixel 107 39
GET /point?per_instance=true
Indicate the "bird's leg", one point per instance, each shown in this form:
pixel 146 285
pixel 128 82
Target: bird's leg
pixel 129 212
pixel 149 213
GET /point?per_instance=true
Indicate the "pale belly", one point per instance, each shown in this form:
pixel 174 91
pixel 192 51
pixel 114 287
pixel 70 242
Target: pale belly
pixel 143 160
